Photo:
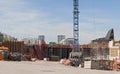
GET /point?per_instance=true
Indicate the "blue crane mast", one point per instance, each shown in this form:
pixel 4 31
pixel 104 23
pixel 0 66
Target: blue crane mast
pixel 76 56
pixel 76 26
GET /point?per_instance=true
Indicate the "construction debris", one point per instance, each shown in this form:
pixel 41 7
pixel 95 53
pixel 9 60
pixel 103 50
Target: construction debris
pixel 116 64
pixel 65 61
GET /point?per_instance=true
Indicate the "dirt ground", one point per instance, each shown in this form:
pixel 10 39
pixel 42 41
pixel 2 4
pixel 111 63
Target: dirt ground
pixel 44 67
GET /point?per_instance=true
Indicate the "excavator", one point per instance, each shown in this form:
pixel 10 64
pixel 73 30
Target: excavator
pixel 76 56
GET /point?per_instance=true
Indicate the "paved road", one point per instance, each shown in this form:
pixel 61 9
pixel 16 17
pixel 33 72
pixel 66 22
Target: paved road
pixel 43 67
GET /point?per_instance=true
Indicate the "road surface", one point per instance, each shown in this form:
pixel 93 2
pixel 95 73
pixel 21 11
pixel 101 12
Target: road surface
pixel 44 67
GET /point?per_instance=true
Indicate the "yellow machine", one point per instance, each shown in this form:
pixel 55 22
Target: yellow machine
pixel 3 51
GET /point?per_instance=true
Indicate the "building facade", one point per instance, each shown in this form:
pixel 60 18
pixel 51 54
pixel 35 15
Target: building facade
pixel 41 37
pixel 60 38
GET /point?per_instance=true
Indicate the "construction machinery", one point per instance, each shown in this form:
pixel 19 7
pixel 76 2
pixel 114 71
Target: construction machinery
pixel 76 56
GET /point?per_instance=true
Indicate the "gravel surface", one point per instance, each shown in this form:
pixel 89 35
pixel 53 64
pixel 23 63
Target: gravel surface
pixel 44 67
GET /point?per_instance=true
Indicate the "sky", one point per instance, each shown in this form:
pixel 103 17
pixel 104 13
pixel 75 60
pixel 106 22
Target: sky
pixel 30 18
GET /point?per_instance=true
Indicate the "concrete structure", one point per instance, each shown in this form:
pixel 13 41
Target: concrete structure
pixel 100 49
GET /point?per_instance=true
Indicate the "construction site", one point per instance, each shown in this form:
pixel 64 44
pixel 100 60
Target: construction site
pixel 101 55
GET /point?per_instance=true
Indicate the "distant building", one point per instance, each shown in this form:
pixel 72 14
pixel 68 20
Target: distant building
pixel 99 46
pixel 30 41
pixel 9 38
pixel 60 38
pixel 68 41
pixel 41 37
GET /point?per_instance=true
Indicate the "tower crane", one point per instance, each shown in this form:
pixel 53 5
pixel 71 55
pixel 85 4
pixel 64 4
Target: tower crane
pixel 76 56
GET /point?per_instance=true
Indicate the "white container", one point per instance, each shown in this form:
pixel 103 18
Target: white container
pixel 46 59
pixel 87 64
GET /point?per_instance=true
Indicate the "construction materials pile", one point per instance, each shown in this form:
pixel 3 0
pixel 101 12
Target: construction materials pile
pixel 65 61
pixel 102 64
pixel 116 64
pixel 15 57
